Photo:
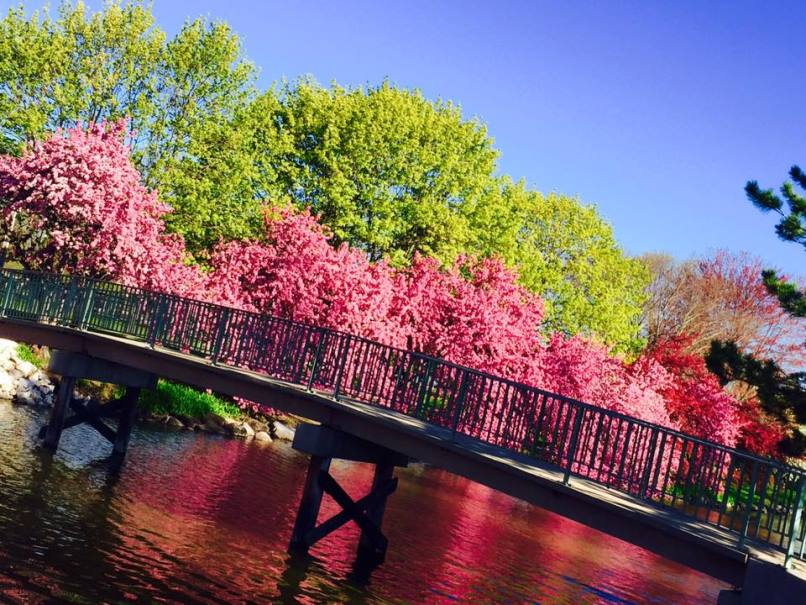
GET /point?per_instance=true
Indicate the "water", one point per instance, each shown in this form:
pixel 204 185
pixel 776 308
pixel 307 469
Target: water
pixel 200 519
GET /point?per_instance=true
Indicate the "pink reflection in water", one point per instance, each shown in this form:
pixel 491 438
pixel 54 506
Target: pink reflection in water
pixel 200 519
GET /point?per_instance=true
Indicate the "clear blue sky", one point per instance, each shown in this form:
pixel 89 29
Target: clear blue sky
pixel 656 112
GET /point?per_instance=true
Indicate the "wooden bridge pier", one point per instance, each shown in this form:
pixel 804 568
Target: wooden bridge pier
pixel 323 444
pixel 75 366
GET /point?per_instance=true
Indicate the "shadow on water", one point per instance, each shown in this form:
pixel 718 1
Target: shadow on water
pixel 193 518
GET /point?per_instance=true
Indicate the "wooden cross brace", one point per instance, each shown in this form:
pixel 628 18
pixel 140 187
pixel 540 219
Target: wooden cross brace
pixel 355 511
pixel 124 408
pixel 366 512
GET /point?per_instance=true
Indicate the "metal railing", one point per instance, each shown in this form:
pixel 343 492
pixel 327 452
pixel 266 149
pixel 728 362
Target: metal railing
pixel 755 498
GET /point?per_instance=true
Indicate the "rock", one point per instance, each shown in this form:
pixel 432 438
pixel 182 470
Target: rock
pixel 25 398
pixel 244 430
pixel 281 431
pixel 214 420
pixel 156 418
pixel 263 436
pixel 186 420
pixel 8 387
pixel 7 347
pixel 26 368
pixel 174 423
pixel 25 384
pixel 214 423
pixel 41 380
pixel 257 425
pixel 214 428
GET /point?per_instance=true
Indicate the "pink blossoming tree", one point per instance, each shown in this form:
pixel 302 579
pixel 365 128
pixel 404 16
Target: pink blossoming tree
pixel 75 202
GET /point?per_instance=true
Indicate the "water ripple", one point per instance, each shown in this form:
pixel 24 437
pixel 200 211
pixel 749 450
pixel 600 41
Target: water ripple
pixel 199 519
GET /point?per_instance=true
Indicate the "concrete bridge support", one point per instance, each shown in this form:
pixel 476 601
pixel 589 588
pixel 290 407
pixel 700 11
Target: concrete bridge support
pixel 767 584
pixel 323 444
pixel 75 366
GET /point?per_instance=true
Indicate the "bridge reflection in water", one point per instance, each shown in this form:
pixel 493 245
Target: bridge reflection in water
pixel 694 501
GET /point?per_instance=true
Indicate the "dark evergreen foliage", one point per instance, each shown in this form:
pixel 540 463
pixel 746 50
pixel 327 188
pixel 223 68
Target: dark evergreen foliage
pixel 781 395
pixel 791 228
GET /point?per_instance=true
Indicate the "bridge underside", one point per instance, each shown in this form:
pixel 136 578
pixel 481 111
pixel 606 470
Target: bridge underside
pixel 695 544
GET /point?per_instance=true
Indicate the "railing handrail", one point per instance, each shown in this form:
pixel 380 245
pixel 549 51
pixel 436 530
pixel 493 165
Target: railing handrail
pixel 86 286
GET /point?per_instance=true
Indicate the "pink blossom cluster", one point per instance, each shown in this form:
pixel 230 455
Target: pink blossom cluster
pixel 75 202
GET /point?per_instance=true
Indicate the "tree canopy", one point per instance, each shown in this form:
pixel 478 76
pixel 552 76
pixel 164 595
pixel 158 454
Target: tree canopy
pixel 388 170
pixel 566 252
pixel 74 203
pixel 720 296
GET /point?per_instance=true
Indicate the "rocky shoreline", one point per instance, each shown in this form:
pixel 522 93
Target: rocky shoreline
pixel 23 383
pixel 251 428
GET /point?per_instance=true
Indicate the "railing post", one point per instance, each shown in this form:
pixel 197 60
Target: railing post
pixel 751 494
pixel 342 363
pixel 653 444
pixel 36 310
pixel 624 452
pixel 158 320
pixel 794 528
pixel 316 359
pixel 69 315
pixel 221 332
pixel 572 447
pixel 7 294
pixel 460 401
pixel 85 308
pixel 422 393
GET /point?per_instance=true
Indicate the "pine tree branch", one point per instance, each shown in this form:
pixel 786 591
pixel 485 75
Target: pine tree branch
pixel 791 298
pixel 764 199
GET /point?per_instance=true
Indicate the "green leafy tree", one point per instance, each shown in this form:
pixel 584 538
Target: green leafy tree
pixel 81 68
pixel 791 228
pixel 565 251
pixel 386 169
pixel 233 170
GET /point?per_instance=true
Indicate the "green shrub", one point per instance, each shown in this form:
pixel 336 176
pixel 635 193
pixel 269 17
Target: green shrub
pixel 181 400
pixel 26 353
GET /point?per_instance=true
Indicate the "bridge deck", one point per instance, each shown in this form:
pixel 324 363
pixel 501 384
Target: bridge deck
pixel 699 545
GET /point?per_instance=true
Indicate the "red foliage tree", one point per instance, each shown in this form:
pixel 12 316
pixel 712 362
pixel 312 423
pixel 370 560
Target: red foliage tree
pixel 295 273
pixel 696 400
pixel 473 313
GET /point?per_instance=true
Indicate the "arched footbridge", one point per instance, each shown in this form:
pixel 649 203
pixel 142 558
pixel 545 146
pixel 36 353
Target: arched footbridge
pixel 707 506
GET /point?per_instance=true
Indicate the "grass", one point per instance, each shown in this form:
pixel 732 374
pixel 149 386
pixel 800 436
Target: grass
pixel 26 353
pixel 180 400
